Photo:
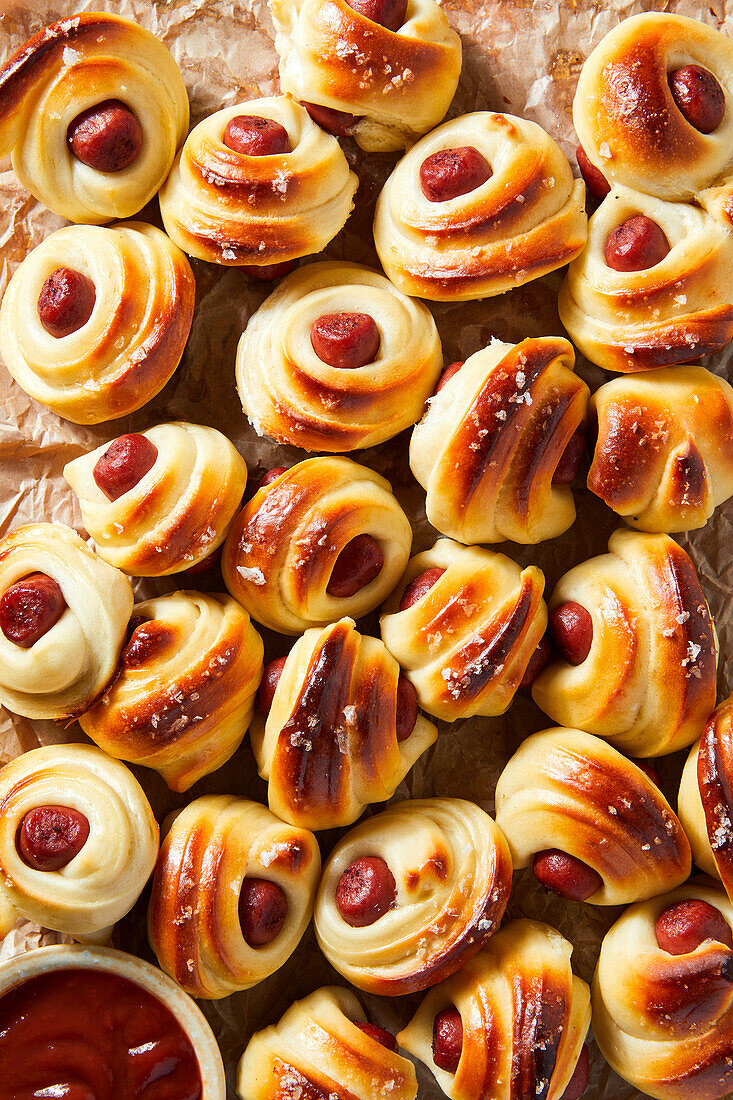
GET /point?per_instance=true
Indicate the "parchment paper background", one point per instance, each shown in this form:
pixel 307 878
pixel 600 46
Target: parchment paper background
pixel 521 57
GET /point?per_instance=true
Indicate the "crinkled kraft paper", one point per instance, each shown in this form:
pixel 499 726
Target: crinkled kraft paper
pixel 521 57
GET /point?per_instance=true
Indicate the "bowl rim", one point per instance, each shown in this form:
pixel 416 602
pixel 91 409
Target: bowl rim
pixel 74 956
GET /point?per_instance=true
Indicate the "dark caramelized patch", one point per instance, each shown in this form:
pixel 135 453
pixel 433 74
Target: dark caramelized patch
pixel 540 1018
pixel 149 641
pixel 689 478
pixel 715 783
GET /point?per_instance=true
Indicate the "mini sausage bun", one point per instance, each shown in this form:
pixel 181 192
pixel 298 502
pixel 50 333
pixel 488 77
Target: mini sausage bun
pixel 670 302
pixel 572 794
pixel 466 641
pixel 634 121
pixel 63 616
pixel 523 1018
pixel 160 501
pixel 99 87
pixel 504 209
pixel 232 895
pixel 663 1020
pixel 408 896
pixel 385 85
pixel 337 359
pixel 320 1047
pixel 340 733
pixel 705 799
pixel 325 539
pixel 488 449
pixel 94 320
pixel 78 839
pixel 185 693
pixel 664 451
pixel 237 208
pixel 636 646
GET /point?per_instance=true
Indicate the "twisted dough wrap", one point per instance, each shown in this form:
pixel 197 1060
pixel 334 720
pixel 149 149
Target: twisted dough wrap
pixel 317 1051
pixel 104 880
pixel 466 644
pixel 673 312
pixel 489 444
pixel 664 454
pixel 648 682
pixel 291 395
pixel 329 746
pixel 62 674
pixel 527 219
pixel 568 790
pixel 524 1013
pixel 665 1022
pixel 706 797
pixel 65 69
pixel 180 510
pixel 232 209
pixel 193 918
pixel 453 874
pixel 399 83
pixel 133 341
pixel 627 120
pixel 186 690
pixel 283 545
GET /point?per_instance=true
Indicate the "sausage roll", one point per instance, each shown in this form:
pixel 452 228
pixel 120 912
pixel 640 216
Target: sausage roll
pixel 325 539
pixel 92 110
pixel 662 995
pixel 63 616
pixel 637 648
pixel 341 730
pixel 382 72
pixel 324 1047
pixel 232 895
pixel 654 105
pixel 408 896
pixel 78 839
pixel 160 501
pixel 464 623
pixel 653 286
pixel 594 826
pixel 509 1024
pixel 256 184
pixel 337 359
pixel 94 321
pixel 491 451
pixel 185 693
pixel 482 204
pixel 664 452
pixel 706 797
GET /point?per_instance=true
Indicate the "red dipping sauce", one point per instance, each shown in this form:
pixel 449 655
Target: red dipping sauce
pixel 80 1034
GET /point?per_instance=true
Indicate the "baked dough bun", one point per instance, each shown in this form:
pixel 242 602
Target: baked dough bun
pixel 648 682
pixel 186 690
pixel 488 446
pixel 466 644
pixel 665 1022
pixel 673 312
pixel 193 919
pixel 234 209
pixel 104 880
pixel 68 67
pixel 706 797
pixel 567 790
pixel 453 873
pixel 399 84
pixel 524 1014
pixel 285 542
pixel 68 668
pixel 180 510
pixel 527 219
pixel 291 395
pixel 329 747
pixel 664 453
